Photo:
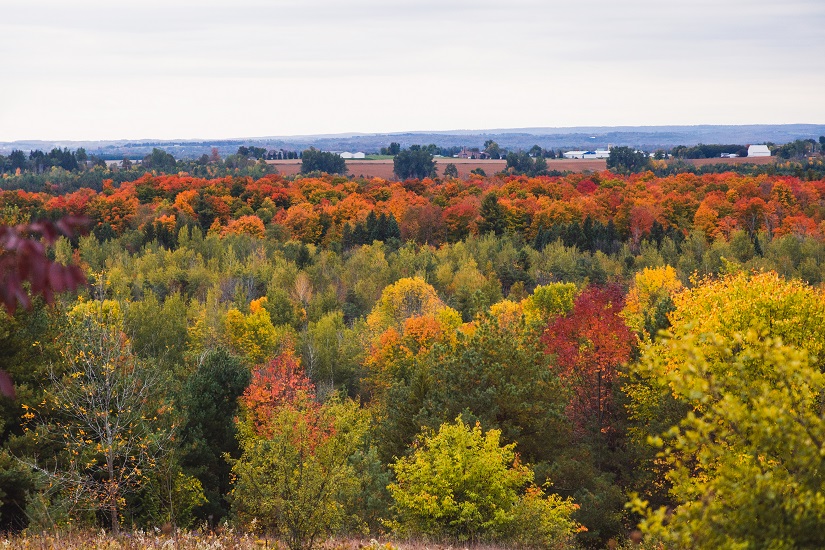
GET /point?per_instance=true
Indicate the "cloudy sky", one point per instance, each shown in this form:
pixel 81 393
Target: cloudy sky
pixel 103 69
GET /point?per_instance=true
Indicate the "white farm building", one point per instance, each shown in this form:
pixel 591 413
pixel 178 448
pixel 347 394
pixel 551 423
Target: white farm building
pixel 759 151
pixel 348 155
pixel 598 154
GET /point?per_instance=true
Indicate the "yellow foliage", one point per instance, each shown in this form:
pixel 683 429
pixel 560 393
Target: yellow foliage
pixel 406 298
pixel 651 287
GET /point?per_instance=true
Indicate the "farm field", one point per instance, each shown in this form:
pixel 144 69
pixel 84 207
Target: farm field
pixel 384 168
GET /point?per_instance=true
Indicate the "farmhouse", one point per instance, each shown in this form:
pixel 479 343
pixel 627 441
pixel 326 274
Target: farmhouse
pixel 759 151
pixel 472 154
pixel 348 155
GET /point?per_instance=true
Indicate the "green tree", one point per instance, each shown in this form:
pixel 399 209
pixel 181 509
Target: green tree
pixel 107 413
pixel 626 160
pixel 492 148
pixel 450 171
pixel 414 162
pixel 313 160
pixel 715 317
pixel 459 482
pixel 160 160
pixel 493 216
pixel 294 481
pixel 208 434
pixel 501 377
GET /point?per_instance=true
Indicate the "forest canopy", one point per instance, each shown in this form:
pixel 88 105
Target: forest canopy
pixel 294 354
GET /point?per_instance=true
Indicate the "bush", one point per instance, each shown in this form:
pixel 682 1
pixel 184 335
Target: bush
pixel 458 483
pixel 542 521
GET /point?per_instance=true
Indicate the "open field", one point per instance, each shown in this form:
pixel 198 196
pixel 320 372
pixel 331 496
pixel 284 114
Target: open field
pixel 383 168
pixel 738 160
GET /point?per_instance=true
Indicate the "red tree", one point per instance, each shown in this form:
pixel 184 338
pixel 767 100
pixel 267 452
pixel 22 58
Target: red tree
pixel 589 344
pixel 278 383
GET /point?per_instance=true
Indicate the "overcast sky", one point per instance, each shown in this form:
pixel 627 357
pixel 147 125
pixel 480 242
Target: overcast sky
pixel 95 69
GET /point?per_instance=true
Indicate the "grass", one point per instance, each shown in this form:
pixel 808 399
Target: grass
pixel 227 540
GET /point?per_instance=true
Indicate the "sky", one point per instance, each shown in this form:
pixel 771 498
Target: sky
pixel 178 69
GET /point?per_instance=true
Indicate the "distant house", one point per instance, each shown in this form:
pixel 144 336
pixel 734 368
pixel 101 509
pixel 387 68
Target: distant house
pixel 759 151
pixel 472 154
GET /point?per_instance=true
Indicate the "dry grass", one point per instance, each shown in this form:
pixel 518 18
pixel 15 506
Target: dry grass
pixel 100 540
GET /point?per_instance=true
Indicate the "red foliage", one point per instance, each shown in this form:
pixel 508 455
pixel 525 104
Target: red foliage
pixel 589 344
pixel 585 187
pixel 281 382
pixel 23 259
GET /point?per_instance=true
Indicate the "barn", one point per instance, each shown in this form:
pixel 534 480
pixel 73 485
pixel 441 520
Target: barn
pixel 759 151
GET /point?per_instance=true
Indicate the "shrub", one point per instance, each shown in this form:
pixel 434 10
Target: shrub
pixel 458 483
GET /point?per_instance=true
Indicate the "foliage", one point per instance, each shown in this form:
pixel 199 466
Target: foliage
pixel 714 318
pixel 459 482
pixel 626 160
pixel 23 259
pixel 402 300
pixel 313 160
pixel 208 433
pixel 253 335
pixel 590 344
pixel 498 375
pixel 394 293
pixel 107 414
pixel 650 300
pixel 293 482
pixel 279 383
pixel 415 162
pixel 747 462
pixel 542 521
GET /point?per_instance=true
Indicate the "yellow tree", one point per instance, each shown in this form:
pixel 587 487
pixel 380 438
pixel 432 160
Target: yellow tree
pixel 253 336
pixel 734 396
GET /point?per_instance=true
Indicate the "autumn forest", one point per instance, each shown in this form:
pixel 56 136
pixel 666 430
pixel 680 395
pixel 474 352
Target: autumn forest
pixel 584 360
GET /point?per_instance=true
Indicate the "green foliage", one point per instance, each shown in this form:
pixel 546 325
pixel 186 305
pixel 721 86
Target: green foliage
pixel 313 160
pixel 500 377
pixel 626 160
pixel 160 161
pixel 523 163
pixel 415 162
pixel 542 521
pixel 459 482
pixel 493 216
pixel 158 330
pixel 107 413
pixel 450 171
pixel 208 434
pixel 295 482
pixel 549 301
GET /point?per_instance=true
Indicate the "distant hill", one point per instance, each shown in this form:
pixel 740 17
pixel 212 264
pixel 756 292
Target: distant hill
pixel 588 137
